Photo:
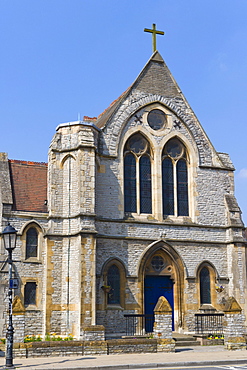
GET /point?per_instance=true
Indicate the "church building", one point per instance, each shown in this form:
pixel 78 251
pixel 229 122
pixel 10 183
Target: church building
pixel 132 205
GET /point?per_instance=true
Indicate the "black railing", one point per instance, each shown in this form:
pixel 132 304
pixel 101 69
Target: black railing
pixel 209 323
pixel 138 324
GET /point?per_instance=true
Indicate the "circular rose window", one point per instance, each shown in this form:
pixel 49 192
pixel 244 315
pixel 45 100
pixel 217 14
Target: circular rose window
pixel 157 119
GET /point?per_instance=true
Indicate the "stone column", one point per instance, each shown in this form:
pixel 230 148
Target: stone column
pixel 163 326
pixel 234 328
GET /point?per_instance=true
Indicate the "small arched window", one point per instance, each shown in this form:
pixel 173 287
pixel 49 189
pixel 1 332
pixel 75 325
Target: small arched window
pixel 31 243
pixel 137 175
pixel 175 179
pixel 113 280
pixel 205 291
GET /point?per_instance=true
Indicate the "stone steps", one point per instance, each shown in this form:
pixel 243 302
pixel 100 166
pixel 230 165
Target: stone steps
pixel 183 340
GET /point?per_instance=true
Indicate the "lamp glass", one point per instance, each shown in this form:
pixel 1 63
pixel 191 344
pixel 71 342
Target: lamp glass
pixel 9 237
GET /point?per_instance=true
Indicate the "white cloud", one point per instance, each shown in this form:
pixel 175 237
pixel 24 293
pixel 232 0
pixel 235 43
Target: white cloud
pixel 243 173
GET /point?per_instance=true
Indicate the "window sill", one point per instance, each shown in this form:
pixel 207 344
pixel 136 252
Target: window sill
pixel 114 307
pixel 137 216
pixel 31 307
pixel 32 260
pixel 181 219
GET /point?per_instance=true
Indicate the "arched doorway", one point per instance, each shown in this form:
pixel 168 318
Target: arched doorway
pixel 162 274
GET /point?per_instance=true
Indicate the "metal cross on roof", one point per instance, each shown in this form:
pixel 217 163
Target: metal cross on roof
pixel 154 33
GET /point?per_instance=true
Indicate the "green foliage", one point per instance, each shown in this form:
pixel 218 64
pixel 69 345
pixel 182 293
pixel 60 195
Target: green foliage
pixel 2 340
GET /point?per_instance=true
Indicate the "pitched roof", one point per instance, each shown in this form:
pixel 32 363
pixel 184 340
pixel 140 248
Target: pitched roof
pixel 163 83
pixel 29 185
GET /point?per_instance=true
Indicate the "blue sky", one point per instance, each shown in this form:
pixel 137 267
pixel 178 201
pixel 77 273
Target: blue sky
pixel 63 58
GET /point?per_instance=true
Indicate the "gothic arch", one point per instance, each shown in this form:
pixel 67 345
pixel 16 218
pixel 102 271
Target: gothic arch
pixel 167 248
pixel 122 282
pixel 64 159
pixel 36 236
pixel 176 273
pixel 209 264
pixel 31 223
pixel 213 276
pixel 116 125
pixel 110 261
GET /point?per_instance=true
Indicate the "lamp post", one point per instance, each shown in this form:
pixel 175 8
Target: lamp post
pixel 9 237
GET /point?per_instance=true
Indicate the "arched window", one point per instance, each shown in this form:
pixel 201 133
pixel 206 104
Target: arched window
pixel 175 179
pixel 205 293
pixel 113 280
pixel 130 183
pixel 182 188
pixel 145 185
pixel 31 243
pixel 137 175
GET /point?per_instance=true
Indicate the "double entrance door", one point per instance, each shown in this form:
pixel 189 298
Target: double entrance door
pixel 154 287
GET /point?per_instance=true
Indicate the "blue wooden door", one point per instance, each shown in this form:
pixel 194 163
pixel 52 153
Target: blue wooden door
pixel 154 287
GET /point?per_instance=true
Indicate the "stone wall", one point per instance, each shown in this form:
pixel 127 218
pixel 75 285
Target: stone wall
pixel 86 348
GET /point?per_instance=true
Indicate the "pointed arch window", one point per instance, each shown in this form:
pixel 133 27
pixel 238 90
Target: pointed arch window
pixel 113 280
pixel 31 243
pixel 175 179
pixel 205 292
pixel 137 175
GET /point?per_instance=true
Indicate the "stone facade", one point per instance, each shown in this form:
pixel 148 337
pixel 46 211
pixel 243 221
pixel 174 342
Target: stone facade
pixel 84 229
pixel 234 322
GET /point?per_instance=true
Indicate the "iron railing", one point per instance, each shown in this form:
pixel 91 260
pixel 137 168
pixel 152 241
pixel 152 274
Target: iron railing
pixel 138 324
pixel 209 323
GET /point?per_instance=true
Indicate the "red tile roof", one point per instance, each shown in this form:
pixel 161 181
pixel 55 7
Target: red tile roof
pixel 89 119
pixel 29 185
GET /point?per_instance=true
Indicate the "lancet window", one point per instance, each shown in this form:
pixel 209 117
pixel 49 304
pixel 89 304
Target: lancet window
pixel 113 280
pixel 175 179
pixel 31 243
pixel 137 175
pixel 205 293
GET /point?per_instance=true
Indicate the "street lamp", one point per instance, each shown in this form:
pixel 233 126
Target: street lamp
pixel 9 238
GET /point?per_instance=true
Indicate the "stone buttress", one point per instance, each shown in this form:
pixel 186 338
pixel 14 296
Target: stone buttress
pixel 70 296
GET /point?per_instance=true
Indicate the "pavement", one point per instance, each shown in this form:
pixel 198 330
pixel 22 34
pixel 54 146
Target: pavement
pixel 184 356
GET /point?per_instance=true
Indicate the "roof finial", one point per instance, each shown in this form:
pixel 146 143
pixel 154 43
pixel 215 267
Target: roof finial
pixel 154 33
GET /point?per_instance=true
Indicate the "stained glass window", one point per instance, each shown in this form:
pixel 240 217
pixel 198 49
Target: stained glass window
pixel 30 293
pixel 182 188
pixel 205 295
pixel 31 242
pixel 175 179
pixel 168 187
pixel 113 280
pixel 130 183
pixel 137 175
pixel 145 185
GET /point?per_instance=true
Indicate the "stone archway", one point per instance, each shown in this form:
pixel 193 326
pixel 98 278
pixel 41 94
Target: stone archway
pixel 161 272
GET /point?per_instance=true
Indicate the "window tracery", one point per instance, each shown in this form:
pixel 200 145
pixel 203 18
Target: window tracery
pixel 137 175
pixel 175 179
